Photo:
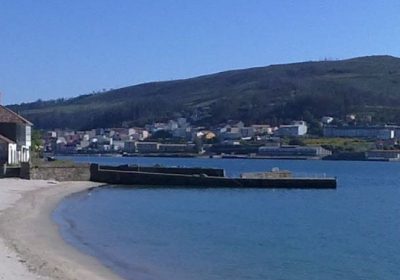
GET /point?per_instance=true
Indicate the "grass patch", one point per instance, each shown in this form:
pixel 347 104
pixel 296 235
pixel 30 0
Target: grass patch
pixel 341 144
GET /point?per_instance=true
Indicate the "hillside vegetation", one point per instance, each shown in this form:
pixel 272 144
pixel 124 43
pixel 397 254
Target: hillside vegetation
pixel 273 94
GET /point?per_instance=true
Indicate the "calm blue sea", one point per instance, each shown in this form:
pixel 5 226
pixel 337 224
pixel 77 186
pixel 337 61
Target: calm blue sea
pixel 176 234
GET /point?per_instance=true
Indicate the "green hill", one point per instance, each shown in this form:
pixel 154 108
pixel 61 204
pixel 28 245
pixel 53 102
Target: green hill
pixel 273 94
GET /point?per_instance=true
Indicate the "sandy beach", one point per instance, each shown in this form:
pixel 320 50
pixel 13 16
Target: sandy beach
pixel 30 245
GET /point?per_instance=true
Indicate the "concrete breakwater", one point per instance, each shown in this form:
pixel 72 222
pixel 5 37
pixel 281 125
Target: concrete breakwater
pixel 162 177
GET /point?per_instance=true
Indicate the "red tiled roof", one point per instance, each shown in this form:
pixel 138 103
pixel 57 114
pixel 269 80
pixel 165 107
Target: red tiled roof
pixel 8 116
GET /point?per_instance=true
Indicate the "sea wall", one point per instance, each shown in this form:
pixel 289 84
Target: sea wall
pixel 215 172
pixel 71 172
pixel 111 175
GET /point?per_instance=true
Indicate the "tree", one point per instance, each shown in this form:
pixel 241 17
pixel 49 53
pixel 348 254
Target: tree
pixel 37 143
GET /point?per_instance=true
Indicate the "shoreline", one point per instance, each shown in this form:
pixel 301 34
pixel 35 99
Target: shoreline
pixel 31 246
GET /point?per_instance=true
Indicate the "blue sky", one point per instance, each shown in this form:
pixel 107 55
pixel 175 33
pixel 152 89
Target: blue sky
pixel 58 48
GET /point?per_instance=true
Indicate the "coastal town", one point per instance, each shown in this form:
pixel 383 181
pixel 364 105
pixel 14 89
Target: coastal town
pixel 193 140
pixel 352 138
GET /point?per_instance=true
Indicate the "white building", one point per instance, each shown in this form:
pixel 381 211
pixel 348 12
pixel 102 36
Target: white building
pixel 297 128
pixel 16 137
pixel 138 134
pixel 326 120
pixel 370 132
pixel 118 145
pixel 8 151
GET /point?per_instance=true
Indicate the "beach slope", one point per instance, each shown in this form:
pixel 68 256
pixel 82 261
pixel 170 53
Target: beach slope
pixel 30 244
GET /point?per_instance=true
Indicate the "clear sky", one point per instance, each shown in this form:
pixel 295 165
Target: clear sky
pixel 64 48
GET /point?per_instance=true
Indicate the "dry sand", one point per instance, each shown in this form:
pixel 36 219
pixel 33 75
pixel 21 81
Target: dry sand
pixel 30 245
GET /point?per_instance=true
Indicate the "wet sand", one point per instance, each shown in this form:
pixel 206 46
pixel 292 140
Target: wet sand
pixel 30 244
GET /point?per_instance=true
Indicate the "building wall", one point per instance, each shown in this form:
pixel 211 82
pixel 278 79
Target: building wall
pixel 119 145
pixel 9 130
pixel 130 146
pixel 21 134
pixel 288 131
pixel 293 151
pixel 247 131
pixel 147 147
pixel 231 135
pixel 297 129
pixel 13 155
pixel 24 135
pixel 3 153
pixel 176 148
pixel 24 154
pixel 384 154
pixel 360 132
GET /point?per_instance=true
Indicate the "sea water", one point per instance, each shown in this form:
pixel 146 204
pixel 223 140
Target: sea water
pixel 352 232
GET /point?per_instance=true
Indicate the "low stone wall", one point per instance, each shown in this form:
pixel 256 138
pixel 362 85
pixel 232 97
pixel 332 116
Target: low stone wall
pixel 9 171
pixel 79 172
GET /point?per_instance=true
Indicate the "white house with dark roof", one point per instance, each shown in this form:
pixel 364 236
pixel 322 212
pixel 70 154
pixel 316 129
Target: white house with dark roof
pixel 15 137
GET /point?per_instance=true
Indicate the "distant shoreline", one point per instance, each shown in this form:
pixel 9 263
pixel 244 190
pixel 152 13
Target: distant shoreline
pixel 30 237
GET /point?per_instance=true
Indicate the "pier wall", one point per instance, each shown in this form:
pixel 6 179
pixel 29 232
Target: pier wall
pixel 104 174
pixel 79 172
pixel 214 172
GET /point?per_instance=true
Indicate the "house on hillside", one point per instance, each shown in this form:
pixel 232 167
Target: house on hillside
pixel 297 128
pixel 15 137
